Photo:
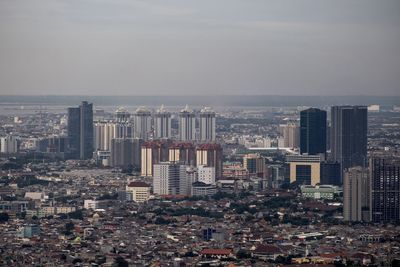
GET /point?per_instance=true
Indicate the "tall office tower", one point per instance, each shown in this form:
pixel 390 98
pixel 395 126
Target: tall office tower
pixel 125 152
pixel 291 135
pixel 73 132
pixel 184 153
pixel 210 155
pixel 104 132
pixel 349 135
pixel 207 125
pixel 331 173
pixel 385 189
pixel 254 164
pixel 86 130
pixel 142 123
pixel 80 131
pixel 313 131
pixel 122 115
pixel 356 194
pixel 187 124
pixel 153 152
pixel 304 169
pixel 162 124
pixel 167 178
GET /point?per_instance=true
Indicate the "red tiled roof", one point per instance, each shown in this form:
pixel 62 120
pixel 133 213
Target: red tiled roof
pixel 267 249
pixel 216 251
pixel 138 184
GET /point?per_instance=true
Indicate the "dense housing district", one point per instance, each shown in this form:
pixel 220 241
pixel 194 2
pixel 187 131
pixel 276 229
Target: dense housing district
pixel 199 186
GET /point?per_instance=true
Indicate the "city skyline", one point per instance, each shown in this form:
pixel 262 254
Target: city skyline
pixel 200 133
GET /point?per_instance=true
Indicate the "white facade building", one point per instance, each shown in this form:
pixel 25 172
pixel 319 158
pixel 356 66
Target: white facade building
pixel 104 132
pixel 142 123
pixel 187 125
pixel 206 174
pixel 162 123
pixel 9 144
pixel 207 125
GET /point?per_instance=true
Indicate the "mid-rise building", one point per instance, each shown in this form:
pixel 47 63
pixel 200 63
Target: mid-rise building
pixel 254 164
pixel 166 178
pixel 207 125
pixel 187 125
pixel 304 169
pixel 201 189
pixel 186 179
pixel 319 191
pixel 140 191
pixel 206 174
pixel 356 194
pixel 313 131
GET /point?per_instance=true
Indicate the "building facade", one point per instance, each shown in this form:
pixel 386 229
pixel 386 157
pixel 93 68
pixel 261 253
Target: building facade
pixel 313 131
pixel 356 194
pixel 349 135
pixel 207 125
pixel 142 123
pixel 162 124
pixel 304 169
pixel 385 190
pixel 187 125
pixel 80 131
pixel 210 155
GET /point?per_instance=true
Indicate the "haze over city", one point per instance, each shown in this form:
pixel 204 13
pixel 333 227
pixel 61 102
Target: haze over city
pixel 178 47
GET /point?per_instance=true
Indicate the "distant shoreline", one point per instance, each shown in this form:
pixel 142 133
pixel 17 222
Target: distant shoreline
pixel 217 100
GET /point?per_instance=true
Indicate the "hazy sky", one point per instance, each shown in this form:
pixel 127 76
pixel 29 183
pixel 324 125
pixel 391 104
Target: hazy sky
pixel 202 47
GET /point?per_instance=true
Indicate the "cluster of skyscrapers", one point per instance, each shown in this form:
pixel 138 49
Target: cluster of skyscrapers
pixel 371 188
pixel 334 153
pixel 86 136
pixel 145 142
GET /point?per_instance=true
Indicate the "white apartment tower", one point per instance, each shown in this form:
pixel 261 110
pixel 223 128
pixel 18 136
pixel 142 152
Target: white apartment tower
pixel 105 131
pixel 207 125
pixel 187 124
pixel 142 123
pixel 162 124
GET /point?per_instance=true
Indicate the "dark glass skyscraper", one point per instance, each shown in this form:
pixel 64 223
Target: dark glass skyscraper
pixel 80 131
pixel 313 131
pixel 349 135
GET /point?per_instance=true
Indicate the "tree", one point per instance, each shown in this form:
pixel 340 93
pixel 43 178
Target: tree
pixel 78 215
pixel 120 262
pixel 4 217
pixel 243 254
pixel 69 226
